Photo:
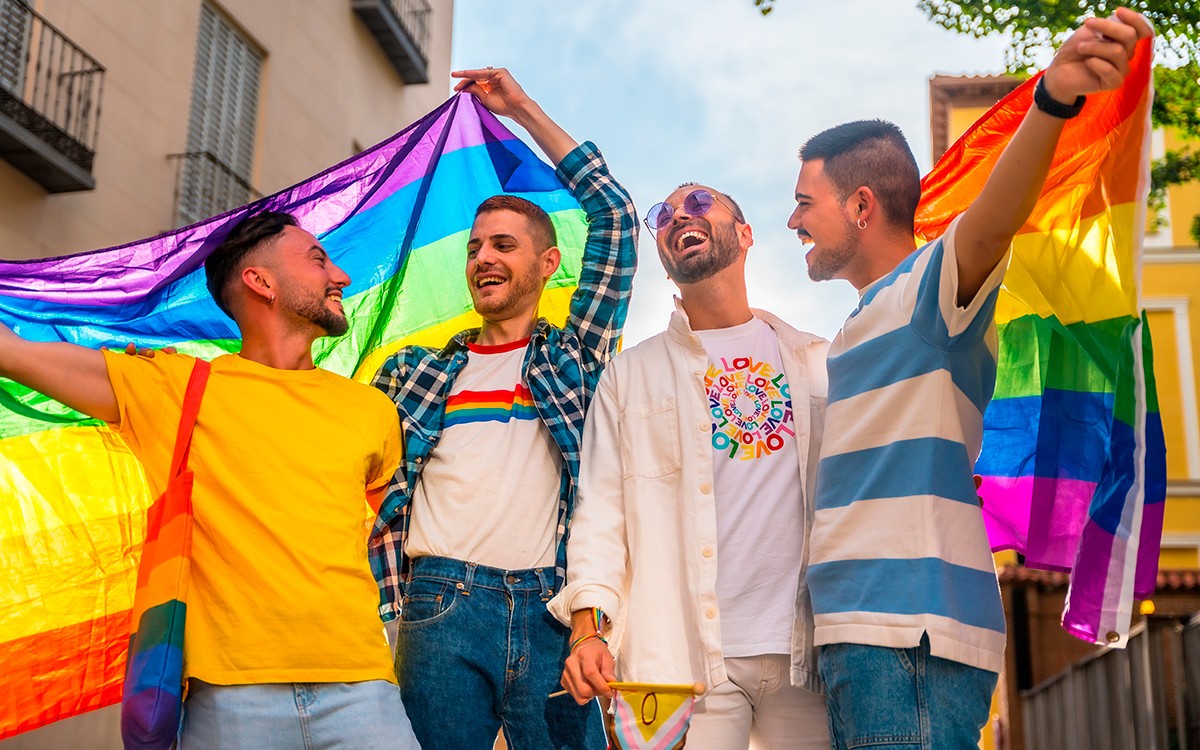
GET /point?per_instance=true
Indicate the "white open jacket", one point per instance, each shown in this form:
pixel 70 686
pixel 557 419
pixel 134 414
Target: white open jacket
pixel 643 540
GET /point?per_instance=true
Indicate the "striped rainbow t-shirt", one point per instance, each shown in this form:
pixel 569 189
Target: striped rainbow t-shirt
pixel 489 492
pixel 898 545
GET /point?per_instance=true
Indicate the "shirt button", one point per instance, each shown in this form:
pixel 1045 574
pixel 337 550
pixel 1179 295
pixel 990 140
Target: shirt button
pixel 710 613
pixel 707 551
pixel 703 426
pixel 417 459
pixel 706 488
pixel 698 373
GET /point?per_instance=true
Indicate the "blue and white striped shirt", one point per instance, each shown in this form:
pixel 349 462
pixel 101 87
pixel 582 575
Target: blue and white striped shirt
pixel 898 545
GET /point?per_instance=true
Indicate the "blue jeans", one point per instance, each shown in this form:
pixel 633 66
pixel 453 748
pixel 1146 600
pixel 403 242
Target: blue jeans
pixel 903 698
pixel 285 716
pixel 477 652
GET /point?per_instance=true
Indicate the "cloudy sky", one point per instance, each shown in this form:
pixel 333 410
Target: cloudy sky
pixel 710 91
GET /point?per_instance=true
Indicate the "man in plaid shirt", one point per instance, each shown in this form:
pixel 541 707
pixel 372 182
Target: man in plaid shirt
pixel 472 536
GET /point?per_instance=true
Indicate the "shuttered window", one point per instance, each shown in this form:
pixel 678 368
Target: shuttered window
pixel 224 112
pixel 15 19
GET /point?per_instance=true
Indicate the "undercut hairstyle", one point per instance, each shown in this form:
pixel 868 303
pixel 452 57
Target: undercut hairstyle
pixel 228 259
pixel 541 229
pixel 737 210
pixel 875 154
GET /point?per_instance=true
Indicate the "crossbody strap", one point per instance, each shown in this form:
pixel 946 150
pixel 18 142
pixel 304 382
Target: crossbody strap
pixel 191 407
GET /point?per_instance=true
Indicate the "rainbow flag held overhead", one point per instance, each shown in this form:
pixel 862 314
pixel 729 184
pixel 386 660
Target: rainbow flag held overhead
pixel 649 717
pixel 73 516
pixel 1073 461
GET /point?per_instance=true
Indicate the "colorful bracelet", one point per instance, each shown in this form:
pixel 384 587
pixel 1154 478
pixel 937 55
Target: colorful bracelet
pixel 588 637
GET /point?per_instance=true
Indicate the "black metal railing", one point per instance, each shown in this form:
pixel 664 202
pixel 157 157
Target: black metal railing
pixel 414 17
pixel 206 186
pixel 48 84
pixel 402 29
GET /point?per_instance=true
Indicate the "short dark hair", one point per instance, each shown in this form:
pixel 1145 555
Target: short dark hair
pixel 247 235
pixel 540 226
pixel 875 154
pixel 737 210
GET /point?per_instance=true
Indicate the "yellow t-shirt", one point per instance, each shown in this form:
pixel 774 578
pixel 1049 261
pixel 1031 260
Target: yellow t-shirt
pixel 283 460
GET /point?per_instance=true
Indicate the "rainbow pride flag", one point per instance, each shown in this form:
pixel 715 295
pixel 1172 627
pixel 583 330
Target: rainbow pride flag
pixel 73 519
pixel 646 716
pixel 1073 462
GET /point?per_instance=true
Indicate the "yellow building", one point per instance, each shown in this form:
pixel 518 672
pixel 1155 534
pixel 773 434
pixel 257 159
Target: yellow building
pixel 1037 647
pixel 120 119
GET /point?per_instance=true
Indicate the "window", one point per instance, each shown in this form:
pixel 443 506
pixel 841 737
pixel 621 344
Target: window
pixel 14 45
pixel 215 171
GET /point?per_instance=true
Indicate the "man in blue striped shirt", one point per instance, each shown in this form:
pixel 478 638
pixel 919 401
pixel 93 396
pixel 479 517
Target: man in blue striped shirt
pixel 907 608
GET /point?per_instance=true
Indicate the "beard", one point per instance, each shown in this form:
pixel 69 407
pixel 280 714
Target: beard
pixel 314 309
pixel 827 261
pixel 520 291
pixel 723 250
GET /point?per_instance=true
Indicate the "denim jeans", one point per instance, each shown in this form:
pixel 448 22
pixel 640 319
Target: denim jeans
pixel 302 716
pixel 477 652
pixel 903 698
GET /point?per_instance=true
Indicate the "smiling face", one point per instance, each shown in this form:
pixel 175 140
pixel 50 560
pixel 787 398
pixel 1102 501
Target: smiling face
pixel 695 248
pixel 506 270
pixel 309 283
pixel 822 223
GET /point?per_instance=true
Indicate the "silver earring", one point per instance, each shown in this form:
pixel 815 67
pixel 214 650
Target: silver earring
pixel 271 300
pixel 862 224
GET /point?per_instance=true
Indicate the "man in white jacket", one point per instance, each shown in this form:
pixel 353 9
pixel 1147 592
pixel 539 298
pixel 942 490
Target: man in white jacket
pixel 690 534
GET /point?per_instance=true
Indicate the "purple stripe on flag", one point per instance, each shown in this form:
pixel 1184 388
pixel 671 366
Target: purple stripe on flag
pixel 1088 614
pixel 1146 578
pixel 122 274
pixel 1045 531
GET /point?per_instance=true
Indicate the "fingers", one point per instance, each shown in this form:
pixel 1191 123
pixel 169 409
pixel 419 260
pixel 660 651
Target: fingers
pixel 1109 74
pixel 1139 23
pixel 1113 30
pixel 588 671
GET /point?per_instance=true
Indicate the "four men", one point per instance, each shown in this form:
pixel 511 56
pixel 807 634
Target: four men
pixel 701 476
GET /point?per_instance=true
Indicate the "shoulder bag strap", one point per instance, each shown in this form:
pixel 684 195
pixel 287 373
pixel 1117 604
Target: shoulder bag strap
pixel 191 406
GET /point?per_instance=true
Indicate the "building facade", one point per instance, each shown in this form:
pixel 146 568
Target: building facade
pixel 121 119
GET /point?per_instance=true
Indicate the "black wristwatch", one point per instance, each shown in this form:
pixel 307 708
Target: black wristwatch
pixel 1052 106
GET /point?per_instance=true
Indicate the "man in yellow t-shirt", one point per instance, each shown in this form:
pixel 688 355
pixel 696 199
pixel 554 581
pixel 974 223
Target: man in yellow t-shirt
pixel 284 647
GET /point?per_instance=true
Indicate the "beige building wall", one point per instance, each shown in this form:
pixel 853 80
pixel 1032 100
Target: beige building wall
pixel 326 86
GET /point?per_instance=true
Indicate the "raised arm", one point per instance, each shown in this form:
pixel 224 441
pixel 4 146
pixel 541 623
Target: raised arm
pixel 600 304
pixel 497 90
pixel 1095 58
pixel 75 375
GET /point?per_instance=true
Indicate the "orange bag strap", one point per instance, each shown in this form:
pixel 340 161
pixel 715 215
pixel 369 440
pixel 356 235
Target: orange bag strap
pixel 187 421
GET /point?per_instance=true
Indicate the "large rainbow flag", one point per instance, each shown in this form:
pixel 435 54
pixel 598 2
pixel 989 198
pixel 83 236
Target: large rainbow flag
pixel 73 514
pixel 1073 462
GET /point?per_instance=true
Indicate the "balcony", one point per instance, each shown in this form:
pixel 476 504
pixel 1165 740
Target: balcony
pixel 206 186
pixel 50 92
pixel 402 29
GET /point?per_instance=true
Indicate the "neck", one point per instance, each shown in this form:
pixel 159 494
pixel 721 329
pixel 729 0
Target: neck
pixel 717 302
pixel 880 254
pixel 499 332
pixel 292 351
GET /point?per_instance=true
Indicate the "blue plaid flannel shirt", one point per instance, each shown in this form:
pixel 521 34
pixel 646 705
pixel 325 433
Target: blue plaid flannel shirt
pixel 562 366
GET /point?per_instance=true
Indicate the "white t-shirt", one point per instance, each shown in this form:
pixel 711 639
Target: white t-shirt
pixel 489 494
pixel 756 476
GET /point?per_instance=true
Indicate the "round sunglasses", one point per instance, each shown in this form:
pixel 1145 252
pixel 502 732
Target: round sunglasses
pixel 696 203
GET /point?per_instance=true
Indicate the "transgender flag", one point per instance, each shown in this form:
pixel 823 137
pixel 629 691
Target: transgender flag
pixel 73 519
pixel 1073 462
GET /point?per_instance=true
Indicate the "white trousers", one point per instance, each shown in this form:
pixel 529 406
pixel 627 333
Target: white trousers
pixel 759 698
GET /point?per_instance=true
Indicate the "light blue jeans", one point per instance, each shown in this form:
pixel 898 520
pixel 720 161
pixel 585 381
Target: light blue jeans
pixel 301 716
pixel 903 698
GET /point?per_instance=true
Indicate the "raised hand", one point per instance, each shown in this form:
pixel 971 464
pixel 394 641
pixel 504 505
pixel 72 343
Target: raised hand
pixel 1096 57
pixel 495 88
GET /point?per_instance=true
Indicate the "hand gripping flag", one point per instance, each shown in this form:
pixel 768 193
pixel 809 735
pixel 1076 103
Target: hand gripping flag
pixel 646 716
pixel 1073 461
pixel 73 513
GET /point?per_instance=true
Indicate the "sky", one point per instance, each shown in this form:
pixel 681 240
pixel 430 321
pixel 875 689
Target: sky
pixel 713 92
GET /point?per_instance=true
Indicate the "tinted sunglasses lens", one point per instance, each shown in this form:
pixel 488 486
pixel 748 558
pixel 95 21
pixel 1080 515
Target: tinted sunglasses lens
pixel 659 216
pixel 698 202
